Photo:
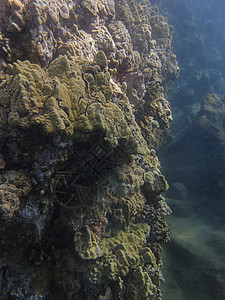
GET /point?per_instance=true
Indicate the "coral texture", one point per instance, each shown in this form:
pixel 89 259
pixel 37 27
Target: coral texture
pixel 82 109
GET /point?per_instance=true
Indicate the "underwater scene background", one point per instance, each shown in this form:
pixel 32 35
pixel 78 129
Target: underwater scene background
pixel 99 99
pixel 193 159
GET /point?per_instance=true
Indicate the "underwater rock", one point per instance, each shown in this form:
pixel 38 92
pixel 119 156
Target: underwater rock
pixel 211 117
pixel 178 191
pixel 204 139
pixel 82 108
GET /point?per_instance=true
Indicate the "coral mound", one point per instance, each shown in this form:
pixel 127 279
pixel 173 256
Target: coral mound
pixel 82 110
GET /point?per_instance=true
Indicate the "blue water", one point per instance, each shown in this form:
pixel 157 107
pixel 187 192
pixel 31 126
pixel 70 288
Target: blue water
pixel 194 158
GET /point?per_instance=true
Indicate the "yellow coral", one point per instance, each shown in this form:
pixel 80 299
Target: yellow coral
pixel 74 98
pixel 141 286
pixel 125 251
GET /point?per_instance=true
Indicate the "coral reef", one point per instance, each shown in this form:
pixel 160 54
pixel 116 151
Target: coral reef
pixel 82 109
pixel 61 28
pixel 71 100
pixel 122 251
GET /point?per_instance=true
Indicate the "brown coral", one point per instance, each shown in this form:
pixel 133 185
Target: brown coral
pixel 9 201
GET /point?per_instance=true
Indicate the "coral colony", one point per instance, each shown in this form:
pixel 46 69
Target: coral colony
pixel 82 110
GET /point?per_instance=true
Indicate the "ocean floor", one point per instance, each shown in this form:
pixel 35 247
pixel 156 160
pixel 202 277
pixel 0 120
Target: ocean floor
pixel 194 260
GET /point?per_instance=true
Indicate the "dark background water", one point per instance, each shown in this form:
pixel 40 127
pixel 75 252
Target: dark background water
pixel 193 159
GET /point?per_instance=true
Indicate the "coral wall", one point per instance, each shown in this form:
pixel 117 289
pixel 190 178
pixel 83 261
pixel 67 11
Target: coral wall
pixel 82 110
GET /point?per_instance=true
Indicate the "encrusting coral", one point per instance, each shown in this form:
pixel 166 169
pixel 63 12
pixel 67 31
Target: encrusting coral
pixel 72 100
pixel 123 251
pixel 82 108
